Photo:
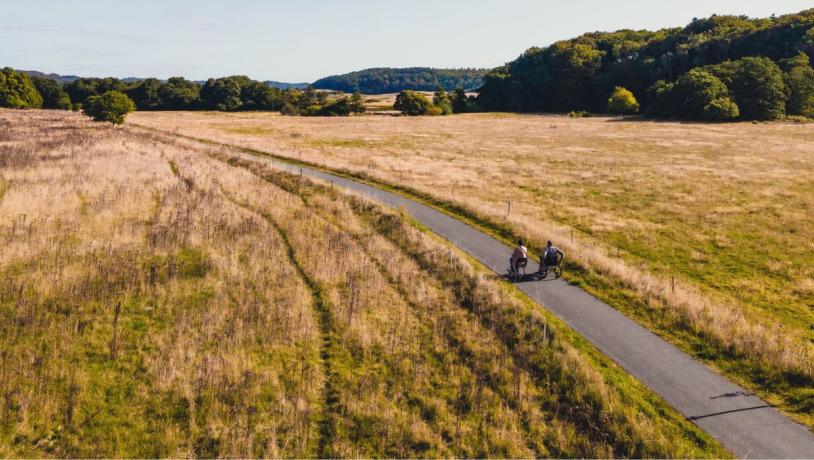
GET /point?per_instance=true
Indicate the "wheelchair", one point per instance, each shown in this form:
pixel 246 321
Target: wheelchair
pixel 518 272
pixel 552 265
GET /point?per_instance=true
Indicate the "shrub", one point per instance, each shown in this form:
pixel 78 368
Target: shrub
pixel 622 102
pixel 579 114
pixel 721 109
pixel 442 101
pixel 693 92
pixel 111 106
pixel 339 107
pixel 412 103
pixel 357 104
pixel 17 91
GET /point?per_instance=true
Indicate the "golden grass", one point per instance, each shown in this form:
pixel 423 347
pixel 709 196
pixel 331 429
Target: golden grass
pixel 161 298
pixel 706 225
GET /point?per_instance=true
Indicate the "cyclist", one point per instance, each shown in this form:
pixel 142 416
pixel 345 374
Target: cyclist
pixel 519 253
pixel 551 256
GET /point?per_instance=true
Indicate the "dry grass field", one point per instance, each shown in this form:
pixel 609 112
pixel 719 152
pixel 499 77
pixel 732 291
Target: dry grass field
pixel 163 297
pixel 703 232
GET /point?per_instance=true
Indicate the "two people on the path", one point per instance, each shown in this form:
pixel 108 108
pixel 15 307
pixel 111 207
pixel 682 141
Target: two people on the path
pixel 551 256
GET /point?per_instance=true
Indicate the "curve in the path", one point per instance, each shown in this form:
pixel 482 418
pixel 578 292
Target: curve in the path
pixel 741 422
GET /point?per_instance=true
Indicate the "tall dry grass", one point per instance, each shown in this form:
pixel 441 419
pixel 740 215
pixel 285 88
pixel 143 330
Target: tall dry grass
pixel 160 297
pixel 702 228
pixel 142 316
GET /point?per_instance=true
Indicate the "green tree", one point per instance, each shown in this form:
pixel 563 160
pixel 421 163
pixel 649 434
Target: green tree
pixel 111 106
pixel 147 94
pixel 758 88
pixel 693 91
pixel 180 93
pixel 17 91
pixel 442 100
pixel 258 95
pixel 622 102
pixel 82 88
pixel 461 103
pixel 224 93
pixel 661 97
pixel 412 103
pixel 53 96
pixel 357 104
pixel 799 86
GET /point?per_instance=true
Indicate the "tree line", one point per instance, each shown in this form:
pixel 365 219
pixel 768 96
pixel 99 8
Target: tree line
pixel 389 80
pixel 234 93
pixel 718 68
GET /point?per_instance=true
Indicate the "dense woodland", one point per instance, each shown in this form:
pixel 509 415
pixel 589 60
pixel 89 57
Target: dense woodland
pixel 388 80
pixel 722 67
pixel 719 68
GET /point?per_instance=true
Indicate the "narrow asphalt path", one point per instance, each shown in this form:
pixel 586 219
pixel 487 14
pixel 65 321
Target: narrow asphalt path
pixel 743 423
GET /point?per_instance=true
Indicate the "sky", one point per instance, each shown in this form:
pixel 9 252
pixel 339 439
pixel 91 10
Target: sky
pixel 301 41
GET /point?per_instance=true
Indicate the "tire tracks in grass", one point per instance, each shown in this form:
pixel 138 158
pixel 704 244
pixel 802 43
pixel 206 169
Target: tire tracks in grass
pixel 322 308
pixel 459 347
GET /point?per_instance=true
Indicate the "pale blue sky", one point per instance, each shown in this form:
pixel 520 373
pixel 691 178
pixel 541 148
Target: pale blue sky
pixel 305 40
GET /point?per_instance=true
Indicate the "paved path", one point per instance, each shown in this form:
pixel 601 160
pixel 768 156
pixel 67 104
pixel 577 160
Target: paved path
pixel 744 424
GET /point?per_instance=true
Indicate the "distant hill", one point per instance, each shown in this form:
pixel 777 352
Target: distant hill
pixel 284 85
pixel 64 79
pixel 391 80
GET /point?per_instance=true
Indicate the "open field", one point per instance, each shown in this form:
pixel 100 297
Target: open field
pixel 161 297
pixel 702 232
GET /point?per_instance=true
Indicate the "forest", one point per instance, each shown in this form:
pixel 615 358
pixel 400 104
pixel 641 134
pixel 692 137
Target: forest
pixel 388 80
pixel 718 68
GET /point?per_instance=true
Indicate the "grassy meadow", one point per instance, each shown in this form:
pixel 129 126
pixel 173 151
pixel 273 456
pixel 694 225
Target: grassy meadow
pixel 163 297
pixel 702 232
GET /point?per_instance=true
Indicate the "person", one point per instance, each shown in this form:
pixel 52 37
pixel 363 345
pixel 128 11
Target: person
pixel 519 253
pixel 552 256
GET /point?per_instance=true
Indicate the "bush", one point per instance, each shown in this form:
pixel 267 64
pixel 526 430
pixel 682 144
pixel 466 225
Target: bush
pixel 111 106
pixel 692 93
pixel 357 104
pixel 17 90
pixel 579 114
pixel 339 107
pixel 721 109
pixel 412 103
pixel 622 102
pixel 442 102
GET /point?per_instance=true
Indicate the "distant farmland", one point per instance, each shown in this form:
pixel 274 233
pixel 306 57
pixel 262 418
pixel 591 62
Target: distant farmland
pixel 702 232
